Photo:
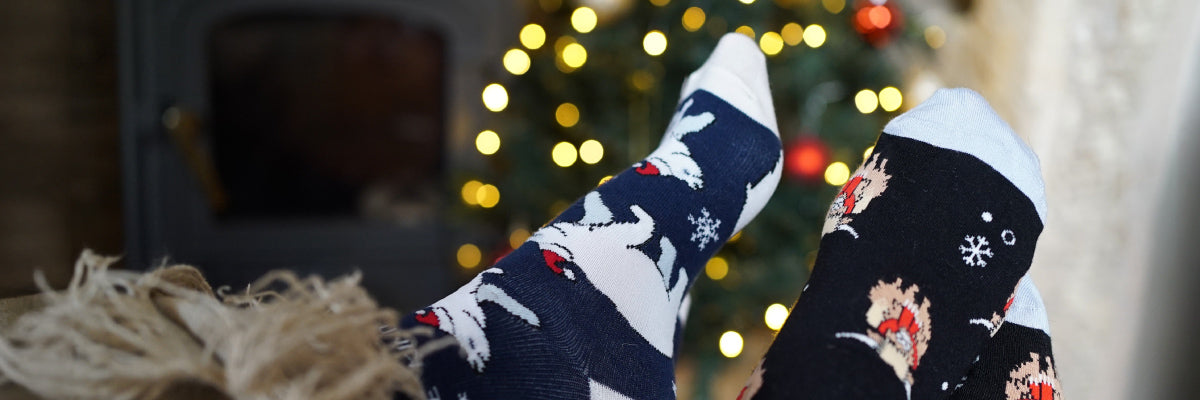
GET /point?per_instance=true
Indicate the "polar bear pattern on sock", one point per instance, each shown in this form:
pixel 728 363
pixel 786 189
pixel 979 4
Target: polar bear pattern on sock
pixel 640 288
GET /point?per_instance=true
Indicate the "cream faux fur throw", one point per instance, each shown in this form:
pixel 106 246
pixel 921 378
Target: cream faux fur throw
pixel 114 334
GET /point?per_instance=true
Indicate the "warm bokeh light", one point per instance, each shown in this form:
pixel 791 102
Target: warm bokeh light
pixel 564 154
pixel 730 344
pixel 867 152
pixel 716 268
pixel 655 43
pixel 660 3
pixel 487 142
pixel 517 237
pixel 469 256
pixel 837 173
pixel 606 178
pixel 879 16
pixel 487 196
pixel 574 55
pixel 516 61
pixel 693 19
pixel 591 151
pixel 642 80
pixel 771 43
pixel 775 316
pixel 566 114
pixel 935 36
pixel 735 237
pixel 866 101
pixel 890 99
pixel 747 1
pixel 745 30
pixel 495 98
pixel 533 36
pixel 834 6
pixel 814 36
pixel 469 190
pixel 583 19
pixel 792 33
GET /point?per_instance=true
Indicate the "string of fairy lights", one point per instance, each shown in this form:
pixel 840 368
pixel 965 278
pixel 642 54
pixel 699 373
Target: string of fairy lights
pixel 570 55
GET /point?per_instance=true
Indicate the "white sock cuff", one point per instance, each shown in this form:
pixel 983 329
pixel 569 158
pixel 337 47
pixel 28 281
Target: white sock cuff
pixel 736 71
pixel 962 120
pixel 1027 308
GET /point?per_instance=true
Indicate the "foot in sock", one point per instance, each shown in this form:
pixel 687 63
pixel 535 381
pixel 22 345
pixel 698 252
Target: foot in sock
pixel 589 306
pixel 931 233
pixel 1017 362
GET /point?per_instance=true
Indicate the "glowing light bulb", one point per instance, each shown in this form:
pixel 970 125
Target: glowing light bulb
pixel 517 237
pixel 890 99
pixel 730 344
pixel 564 154
pixel 469 190
pixel 469 256
pixel 693 19
pixel 567 115
pixel 574 55
pixel 495 98
pixel 745 30
pixel 487 196
pixel 591 151
pixel 516 61
pixel 775 316
pixel 935 36
pixel 583 19
pixel 793 33
pixel 716 268
pixel 834 6
pixel 655 43
pixel 837 173
pixel 814 36
pixel 866 101
pixel 533 36
pixel 487 142
pixel 771 43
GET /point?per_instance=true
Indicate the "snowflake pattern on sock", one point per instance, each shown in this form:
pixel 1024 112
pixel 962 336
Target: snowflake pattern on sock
pixel 974 254
pixel 706 228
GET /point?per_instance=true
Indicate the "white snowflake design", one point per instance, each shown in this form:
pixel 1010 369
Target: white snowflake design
pixel 973 255
pixel 706 228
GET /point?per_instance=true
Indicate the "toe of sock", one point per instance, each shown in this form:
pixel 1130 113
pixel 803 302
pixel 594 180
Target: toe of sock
pixel 960 119
pixel 736 71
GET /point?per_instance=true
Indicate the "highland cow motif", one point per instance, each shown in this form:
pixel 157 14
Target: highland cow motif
pixel 1029 381
pixel 900 328
pixel 867 183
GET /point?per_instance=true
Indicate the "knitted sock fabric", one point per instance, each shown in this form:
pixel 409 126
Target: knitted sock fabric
pixel 1017 362
pixel 933 231
pixel 588 306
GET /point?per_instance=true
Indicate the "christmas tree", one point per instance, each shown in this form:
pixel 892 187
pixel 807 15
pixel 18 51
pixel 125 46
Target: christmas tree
pixel 588 88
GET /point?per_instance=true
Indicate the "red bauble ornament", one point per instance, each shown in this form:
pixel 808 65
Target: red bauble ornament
pixel 877 21
pixel 805 158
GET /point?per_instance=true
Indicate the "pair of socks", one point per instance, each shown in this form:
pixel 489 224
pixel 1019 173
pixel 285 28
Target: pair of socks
pixel 920 255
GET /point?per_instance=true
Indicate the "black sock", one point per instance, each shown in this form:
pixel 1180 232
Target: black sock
pixel 932 232
pixel 1017 362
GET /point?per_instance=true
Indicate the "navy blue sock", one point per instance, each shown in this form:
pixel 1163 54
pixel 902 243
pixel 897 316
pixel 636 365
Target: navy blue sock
pixel 588 306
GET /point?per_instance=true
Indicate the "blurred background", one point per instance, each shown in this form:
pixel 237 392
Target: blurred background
pixel 417 142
